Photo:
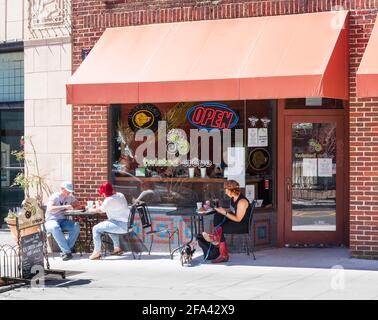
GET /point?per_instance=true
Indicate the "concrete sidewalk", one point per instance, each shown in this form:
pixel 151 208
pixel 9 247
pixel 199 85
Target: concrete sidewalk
pixel 285 273
pixel 5 236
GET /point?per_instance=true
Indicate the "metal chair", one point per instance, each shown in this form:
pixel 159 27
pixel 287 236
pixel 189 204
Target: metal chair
pixel 145 218
pixel 126 237
pixel 249 234
pixel 52 246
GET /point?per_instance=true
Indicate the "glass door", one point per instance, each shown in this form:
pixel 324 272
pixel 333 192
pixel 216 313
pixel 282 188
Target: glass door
pixel 314 179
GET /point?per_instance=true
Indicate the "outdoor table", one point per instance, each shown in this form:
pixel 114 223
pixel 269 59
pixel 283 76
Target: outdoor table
pixel 90 220
pixel 196 221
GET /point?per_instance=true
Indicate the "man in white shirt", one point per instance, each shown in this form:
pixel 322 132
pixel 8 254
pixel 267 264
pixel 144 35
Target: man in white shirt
pixel 56 223
pixel 116 208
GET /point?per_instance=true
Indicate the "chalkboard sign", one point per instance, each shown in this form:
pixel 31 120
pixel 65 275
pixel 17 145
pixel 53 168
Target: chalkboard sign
pixel 32 253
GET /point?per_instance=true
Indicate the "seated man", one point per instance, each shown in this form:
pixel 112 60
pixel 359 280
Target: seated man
pixel 56 222
pixel 147 194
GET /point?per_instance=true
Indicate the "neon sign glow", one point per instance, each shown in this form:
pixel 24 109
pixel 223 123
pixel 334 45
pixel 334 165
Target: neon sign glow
pixel 211 115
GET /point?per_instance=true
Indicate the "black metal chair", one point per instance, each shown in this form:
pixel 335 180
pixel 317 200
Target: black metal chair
pixel 145 218
pixel 249 235
pixel 126 237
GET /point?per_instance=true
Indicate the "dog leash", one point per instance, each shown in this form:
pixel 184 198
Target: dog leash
pixel 208 250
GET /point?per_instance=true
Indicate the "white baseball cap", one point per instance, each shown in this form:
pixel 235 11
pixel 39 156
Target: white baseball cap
pixel 68 186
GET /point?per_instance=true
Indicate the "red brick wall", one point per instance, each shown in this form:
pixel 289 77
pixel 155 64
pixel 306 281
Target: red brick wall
pixel 90 149
pixel 363 135
pixel 90 18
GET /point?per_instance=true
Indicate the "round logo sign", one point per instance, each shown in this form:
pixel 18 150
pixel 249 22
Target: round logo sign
pixel 144 116
pixel 259 159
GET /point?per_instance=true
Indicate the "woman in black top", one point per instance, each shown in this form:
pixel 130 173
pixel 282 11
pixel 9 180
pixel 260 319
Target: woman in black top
pixel 232 220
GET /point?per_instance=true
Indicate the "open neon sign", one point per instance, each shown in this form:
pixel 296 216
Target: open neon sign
pixel 211 115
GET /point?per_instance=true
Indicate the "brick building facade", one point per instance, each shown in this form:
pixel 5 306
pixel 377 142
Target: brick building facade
pixel 90 123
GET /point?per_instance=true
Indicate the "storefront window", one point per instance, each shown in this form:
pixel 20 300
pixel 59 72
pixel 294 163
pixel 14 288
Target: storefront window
pixel 11 77
pixel 11 127
pixel 181 153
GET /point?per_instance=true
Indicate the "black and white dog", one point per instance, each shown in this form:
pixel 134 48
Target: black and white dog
pixel 187 254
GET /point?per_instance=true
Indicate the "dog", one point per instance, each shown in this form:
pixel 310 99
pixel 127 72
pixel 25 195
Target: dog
pixel 187 254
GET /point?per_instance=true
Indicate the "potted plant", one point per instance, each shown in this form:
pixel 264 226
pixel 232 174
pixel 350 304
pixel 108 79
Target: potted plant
pixel 11 221
pixel 29 178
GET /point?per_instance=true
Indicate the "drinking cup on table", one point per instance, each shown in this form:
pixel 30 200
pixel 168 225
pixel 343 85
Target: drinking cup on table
pixel 89 204
pixel 199 205
pixel 97 204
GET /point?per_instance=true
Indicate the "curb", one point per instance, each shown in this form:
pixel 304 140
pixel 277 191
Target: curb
pixel 11 287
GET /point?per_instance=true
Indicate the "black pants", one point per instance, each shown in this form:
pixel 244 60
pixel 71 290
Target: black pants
pixel 209 250
pixel 228 226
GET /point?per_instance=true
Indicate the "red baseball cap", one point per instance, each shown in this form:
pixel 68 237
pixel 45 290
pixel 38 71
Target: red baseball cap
pixel 106 188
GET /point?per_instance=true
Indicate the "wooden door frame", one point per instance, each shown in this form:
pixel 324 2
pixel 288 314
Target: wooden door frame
pixel 281 154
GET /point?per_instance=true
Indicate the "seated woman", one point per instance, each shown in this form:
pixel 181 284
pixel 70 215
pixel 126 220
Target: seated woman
pixel 233 220
pixel 116 208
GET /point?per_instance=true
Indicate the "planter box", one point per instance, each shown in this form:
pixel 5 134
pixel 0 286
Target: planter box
pixel 25 232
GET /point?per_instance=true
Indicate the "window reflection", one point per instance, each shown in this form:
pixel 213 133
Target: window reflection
pixel 314 177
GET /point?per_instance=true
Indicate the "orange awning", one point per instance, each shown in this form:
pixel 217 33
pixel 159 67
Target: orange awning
pixel 290 56
pixel 367 74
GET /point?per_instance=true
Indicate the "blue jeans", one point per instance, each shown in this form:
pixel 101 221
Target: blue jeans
pixel 56 228
pixel 111 226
